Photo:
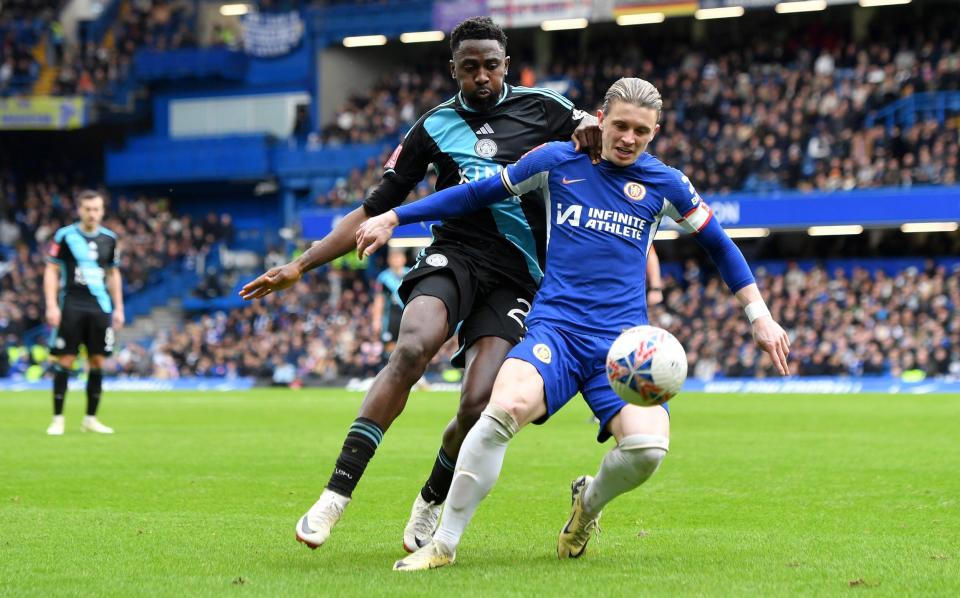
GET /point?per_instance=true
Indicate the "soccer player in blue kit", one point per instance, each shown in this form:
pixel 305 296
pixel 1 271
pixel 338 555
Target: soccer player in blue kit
pixel 601 222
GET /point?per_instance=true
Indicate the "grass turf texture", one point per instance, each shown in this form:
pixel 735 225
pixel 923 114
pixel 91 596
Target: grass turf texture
pixel 198 494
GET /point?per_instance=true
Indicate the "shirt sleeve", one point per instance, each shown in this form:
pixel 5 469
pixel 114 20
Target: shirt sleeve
pixel 454 201
pixel 114 259
pixel 55 252
pixel 529 172
pixel 405 168
pixel 693 214
pixel 532 169
pixel 562 117
pixel 685 206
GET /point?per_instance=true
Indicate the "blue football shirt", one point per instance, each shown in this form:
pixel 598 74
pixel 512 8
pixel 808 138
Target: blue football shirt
pixel 601 221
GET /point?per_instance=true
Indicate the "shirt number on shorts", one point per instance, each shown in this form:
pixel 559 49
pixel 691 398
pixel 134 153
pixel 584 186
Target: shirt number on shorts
pixel 108 340
pixel 520 313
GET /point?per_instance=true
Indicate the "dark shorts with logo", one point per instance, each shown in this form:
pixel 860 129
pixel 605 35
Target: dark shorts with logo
pixel 91 328
pixel 480 301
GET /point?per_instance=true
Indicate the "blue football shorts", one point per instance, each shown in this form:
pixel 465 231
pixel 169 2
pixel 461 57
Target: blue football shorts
pixel 570 362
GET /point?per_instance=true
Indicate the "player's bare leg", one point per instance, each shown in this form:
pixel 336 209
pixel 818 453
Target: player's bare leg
pixel 483 361
pixel 517 400
pixel 642 435
pixel 94 390
pixel 423 330
pixel 61 376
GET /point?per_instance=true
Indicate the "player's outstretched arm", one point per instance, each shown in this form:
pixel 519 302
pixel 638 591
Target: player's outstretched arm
pixel 736 273
pixel 338 242
pixel 452 201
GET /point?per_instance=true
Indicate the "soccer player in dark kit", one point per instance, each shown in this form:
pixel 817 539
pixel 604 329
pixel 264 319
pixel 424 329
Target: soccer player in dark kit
pixel 481 270
pixel 84 303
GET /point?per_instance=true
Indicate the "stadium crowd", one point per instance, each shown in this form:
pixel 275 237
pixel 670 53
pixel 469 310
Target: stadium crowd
pixel 764 117
pixel 861 323
pixel 389 107
pixel 22 25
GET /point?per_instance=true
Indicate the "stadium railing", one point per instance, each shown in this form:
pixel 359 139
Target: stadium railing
pixel 906 112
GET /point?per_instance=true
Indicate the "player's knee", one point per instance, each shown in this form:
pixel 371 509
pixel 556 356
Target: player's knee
pixel 643 453
pixel 410 356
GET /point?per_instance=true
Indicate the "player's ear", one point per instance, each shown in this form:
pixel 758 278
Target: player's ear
pixel 656 130
pixel 600 118
pixel 453 69
pixel 506 65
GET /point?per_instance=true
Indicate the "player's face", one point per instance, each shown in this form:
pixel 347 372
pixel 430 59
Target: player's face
pixel 479 66
pixel 91 212
pixel 625 132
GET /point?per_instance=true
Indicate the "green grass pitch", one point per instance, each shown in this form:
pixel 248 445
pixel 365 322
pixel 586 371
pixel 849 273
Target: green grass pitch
pixel 198 494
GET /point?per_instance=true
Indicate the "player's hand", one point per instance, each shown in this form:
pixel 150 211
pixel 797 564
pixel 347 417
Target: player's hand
pixel 654 297
pixel 53 315
pixel 375 232
pixel 274 279
pixel 773 340
pixel 118 319
pixel 586 138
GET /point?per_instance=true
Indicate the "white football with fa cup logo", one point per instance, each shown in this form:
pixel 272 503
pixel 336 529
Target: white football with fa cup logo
pixel 646 365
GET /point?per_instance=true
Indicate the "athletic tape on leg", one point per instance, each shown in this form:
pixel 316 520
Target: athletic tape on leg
pixel 508 425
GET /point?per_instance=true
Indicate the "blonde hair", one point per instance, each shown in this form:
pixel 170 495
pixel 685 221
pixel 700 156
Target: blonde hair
pixel 636 91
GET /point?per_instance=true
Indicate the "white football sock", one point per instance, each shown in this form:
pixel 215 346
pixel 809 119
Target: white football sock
pixel 478 467
pixel 629 464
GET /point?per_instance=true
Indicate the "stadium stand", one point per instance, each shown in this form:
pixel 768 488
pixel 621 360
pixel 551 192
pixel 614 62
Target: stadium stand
pixel 812 112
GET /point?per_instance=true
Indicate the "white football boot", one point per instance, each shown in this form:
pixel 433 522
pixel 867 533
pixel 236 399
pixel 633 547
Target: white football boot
pixel 56 426
pixel 92 424
pixel 424 517
pixel 576 533
pixel 313 529
pixel 432 556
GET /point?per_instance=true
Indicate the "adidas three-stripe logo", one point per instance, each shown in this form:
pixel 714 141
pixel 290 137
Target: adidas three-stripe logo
pixel 486 129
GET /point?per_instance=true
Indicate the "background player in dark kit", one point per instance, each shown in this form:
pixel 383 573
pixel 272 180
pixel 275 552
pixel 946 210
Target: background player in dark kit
pixel 84 304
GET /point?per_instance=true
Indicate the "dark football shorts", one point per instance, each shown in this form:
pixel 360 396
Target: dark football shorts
pixel 90 328
pixel 478 303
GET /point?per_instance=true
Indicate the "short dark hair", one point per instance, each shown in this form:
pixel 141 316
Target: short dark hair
pixel 477 28
pixel 89 194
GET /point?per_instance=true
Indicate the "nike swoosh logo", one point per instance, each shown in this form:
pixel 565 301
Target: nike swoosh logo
pixel 304 527
pixel 567 181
